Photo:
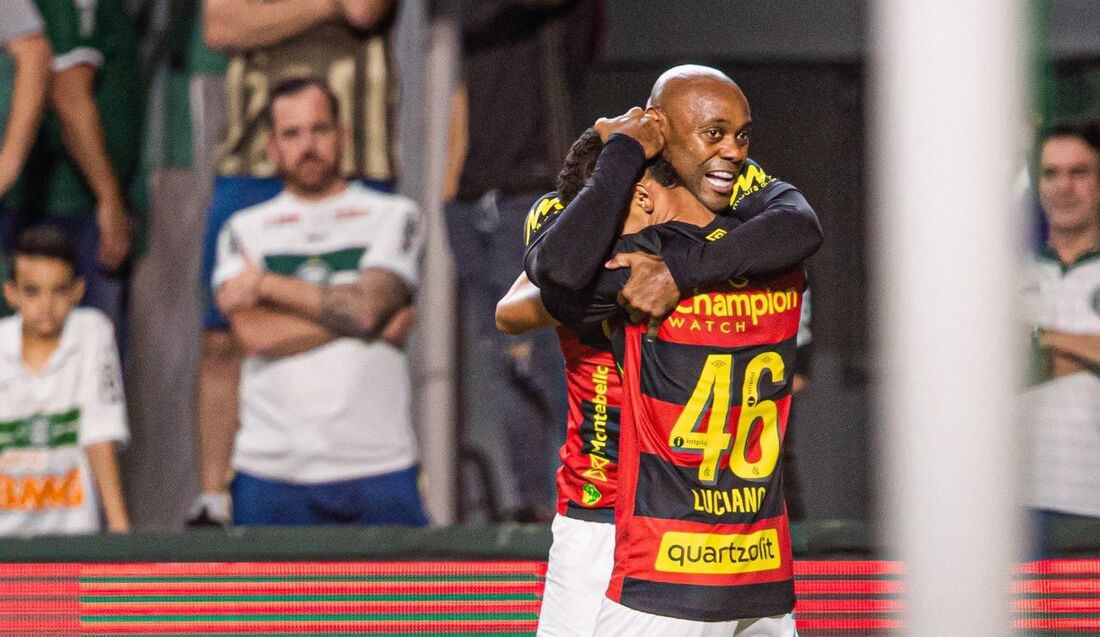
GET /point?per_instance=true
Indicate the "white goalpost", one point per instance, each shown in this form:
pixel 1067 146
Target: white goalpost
pixel 946 100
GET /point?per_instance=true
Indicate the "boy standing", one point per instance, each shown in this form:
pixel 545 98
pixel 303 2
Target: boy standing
pixel 61 400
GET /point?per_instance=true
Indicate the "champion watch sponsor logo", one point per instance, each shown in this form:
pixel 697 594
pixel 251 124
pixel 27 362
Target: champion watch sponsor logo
pixel 753 305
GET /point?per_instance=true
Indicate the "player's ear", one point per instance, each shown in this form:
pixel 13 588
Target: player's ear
pixel 642 198
pixel 9 293
pixel 658 115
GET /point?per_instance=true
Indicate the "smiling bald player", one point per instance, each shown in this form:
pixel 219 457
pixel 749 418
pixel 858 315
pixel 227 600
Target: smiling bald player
pixel 684 101
pixel 707 122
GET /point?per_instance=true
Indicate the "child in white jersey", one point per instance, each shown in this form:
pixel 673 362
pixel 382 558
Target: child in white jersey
pixel 61 403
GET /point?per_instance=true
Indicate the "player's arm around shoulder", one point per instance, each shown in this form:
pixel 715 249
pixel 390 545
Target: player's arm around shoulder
pixel 771 230
pixel 521 310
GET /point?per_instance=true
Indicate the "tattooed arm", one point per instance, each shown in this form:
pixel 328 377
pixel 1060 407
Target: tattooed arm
pixel 359 309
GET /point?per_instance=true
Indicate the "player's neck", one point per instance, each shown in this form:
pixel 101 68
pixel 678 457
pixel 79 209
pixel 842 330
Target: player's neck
pixel 636 219
pixel 687 209
pixel 1071 245
pixel 37 350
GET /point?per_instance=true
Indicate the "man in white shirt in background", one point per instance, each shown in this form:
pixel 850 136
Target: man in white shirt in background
pixel 308 281
pixel 1062 297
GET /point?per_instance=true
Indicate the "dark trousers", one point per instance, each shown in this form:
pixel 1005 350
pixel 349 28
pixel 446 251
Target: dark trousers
pixel 513 387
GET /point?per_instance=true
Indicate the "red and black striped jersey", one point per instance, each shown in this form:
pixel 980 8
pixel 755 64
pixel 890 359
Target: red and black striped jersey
pixel 701 525
pixel 588 475
pixel 779 230
pixel 587 479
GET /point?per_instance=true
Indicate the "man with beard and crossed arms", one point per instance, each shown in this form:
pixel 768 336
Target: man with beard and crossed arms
pixel 710 144
pixel 779 222
pixel 308 281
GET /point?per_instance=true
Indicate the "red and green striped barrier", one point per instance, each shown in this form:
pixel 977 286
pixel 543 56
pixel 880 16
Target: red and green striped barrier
pixel 836 597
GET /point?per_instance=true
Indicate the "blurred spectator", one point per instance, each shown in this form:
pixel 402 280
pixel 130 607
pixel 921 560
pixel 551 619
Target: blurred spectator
pixel 346 42
pixel 512 121
pixel 21 35
pixel 308 281
pixel 87 155
pixel 1062 296
pixel 61 401
pixel 21 108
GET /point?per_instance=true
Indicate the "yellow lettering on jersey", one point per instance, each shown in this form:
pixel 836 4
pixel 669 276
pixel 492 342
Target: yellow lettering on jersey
pixel 751 180
pixel 537 215
pixel 721 502
pixel 597 460
pixel 718 554
pixel 751 305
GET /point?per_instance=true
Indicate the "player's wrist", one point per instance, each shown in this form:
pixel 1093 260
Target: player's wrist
pixel 626 142
pixel 680 276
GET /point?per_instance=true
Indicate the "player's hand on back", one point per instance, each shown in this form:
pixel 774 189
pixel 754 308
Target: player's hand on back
pixel 651 292
pixel 637 124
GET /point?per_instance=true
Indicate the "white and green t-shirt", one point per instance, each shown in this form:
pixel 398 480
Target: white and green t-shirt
pixel 47 417
pixel 340 411
pixel 1063 414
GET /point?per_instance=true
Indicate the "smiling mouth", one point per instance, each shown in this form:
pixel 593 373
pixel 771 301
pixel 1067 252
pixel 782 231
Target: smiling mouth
pixel 720 180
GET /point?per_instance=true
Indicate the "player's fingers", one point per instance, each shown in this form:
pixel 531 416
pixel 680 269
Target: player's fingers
pixel 618 261
pixel 654 327
pixel 626 260
pixel 632 312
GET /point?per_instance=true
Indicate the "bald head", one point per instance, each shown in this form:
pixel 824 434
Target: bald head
pixel 676 80
pixel 705 121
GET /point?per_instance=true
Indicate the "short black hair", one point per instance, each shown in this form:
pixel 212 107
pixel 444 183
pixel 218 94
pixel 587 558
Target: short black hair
pixel 47 242
pixel 297 85
pixel 580 161
pixel 662 172
pixel 1088 132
